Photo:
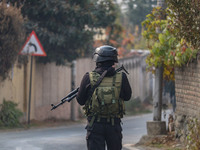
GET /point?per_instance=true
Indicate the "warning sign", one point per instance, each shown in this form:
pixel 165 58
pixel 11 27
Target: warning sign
pixel 33 46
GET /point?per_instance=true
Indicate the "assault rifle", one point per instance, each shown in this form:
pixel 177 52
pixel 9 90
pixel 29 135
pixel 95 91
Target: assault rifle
pixel 74 93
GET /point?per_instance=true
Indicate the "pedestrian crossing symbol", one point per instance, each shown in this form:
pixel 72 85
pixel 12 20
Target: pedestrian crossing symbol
pixel 33 46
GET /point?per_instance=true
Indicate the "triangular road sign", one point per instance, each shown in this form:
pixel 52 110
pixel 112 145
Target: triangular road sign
pixel 33 46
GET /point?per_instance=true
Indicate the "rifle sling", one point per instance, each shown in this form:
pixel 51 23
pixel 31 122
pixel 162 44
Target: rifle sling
pixel 97 83
pixel 92 91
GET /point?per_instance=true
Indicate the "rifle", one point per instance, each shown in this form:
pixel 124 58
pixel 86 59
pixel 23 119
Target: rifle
pixel 74 93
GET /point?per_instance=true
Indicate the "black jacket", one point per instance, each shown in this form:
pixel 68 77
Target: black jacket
pixel 85 86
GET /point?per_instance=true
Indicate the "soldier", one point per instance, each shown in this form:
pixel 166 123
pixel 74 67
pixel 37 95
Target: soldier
pixel 104 103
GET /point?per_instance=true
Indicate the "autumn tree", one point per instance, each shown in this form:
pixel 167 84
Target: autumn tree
pixel 118 36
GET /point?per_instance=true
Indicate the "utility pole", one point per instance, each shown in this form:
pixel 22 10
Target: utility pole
pixel 73 114
pixel 157 127
pixel 157 104
pixel 157 96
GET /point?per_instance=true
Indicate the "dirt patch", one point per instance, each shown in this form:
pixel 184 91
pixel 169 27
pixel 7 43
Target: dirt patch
pixel 162 142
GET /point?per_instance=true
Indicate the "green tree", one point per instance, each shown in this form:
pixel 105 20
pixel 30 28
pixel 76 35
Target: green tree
pixel 137 10
pixel 66 28
pixel 185 18
pixel 11 36
pixel 166 49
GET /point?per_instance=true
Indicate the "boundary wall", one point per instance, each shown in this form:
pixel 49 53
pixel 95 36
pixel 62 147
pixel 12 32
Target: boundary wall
pixel 50 83
pixel 187 87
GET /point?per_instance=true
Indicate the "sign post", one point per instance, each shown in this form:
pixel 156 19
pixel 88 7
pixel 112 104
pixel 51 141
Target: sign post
pixel 30 88
pixel 32 47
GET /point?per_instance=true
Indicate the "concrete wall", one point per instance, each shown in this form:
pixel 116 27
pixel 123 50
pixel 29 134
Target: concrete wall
pixel 13 87
pixel 83 65
pixel 140 80
pixel 50 83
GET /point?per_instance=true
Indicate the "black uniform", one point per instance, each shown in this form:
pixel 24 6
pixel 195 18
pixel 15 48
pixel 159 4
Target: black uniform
pixel 103 131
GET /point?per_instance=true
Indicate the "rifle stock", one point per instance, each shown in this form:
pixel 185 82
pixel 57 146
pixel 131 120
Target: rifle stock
pixel 74 93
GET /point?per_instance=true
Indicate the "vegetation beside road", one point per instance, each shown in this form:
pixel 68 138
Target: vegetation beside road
pixel 162 142
pixel 9 115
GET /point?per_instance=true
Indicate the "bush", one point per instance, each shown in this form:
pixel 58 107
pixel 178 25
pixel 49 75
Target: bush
pixel 12 36
pixel 9 114
pixel 193 137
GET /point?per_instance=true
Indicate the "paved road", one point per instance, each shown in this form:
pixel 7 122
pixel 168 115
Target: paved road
pixel 68 137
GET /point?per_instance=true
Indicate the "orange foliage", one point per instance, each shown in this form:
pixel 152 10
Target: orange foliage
pixel 122 40
pixel 113 42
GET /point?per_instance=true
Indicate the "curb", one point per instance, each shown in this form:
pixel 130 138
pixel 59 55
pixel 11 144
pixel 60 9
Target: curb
pixel 130 147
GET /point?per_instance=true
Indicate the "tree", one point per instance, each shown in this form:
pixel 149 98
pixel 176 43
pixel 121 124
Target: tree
pixel 166 49
pixel 137 10
pixel 66 27
pixel 12 36
pixel 185 18
pixel 118 36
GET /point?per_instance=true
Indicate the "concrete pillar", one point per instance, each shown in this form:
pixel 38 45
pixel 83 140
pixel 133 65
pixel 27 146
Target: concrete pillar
pixel 156 128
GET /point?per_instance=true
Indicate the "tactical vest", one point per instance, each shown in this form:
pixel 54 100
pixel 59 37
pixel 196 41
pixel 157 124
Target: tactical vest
pixel 105 101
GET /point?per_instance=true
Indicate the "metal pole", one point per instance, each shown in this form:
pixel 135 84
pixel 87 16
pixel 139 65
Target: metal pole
pixel 30 85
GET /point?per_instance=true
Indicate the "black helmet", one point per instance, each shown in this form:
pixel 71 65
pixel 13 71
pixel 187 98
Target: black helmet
pixel 105 53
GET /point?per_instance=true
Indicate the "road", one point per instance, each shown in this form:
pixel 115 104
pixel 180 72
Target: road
pixel 68 137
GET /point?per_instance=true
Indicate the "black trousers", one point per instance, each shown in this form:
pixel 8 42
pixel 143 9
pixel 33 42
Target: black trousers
pixel 102 134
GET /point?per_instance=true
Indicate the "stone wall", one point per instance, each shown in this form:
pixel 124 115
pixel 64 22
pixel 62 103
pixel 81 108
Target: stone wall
pixel 188 90
pixel 187 86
